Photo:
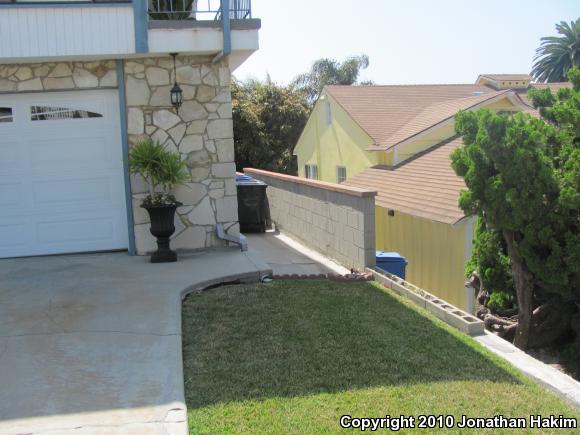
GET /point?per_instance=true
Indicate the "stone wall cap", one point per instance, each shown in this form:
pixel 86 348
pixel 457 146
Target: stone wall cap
pixel 349 190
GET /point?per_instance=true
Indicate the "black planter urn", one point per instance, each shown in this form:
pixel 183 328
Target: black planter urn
pixel 162 227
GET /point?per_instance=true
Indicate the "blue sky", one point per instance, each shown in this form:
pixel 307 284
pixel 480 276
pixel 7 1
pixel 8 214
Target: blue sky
pixel 408 41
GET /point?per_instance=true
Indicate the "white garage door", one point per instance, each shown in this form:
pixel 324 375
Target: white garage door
pixel 61 173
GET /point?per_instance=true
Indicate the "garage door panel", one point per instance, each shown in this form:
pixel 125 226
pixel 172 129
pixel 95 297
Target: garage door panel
pixel 12 194
pixel 61 175
pixel 13 234
pixel 73 192
pixel 11 156
pixel 71 233
pixel 72 153
pixel 68 231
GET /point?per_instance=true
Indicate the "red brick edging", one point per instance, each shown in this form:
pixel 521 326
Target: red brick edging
pixel 351 277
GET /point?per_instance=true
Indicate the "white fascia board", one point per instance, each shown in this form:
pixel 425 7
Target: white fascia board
pixel 202 41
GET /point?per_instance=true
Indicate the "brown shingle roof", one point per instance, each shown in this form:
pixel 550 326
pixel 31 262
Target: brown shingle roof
pixel 436 114
pixel 425 186
pixel 553 86
pixel 382 111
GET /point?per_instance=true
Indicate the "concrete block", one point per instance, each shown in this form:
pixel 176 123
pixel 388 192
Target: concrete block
pixel 369 238
pixel 352 219
pixel 333 212
pixel 435 306
pixel 321 222
pixel 464 322
pixel 359 238
pixel 343 216
pixel 415 298
pixel 348 235
pixel 370 257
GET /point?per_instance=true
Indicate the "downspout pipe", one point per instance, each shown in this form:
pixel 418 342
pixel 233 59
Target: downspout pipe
pixel 241 240
pixel 227 32
pixel 141 23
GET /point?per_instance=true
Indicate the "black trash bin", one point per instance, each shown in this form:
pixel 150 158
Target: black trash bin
pixel 252 204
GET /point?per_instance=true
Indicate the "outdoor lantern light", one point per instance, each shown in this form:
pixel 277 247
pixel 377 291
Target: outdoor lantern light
pixel 176 92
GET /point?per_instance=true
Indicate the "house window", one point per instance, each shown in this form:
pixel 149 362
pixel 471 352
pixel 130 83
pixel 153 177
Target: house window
pixel 328 113
pixel 311 171
pixel 340 174
pixel 46 113
pixel 6 114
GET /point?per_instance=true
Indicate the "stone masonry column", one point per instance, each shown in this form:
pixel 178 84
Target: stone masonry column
pixel 202 132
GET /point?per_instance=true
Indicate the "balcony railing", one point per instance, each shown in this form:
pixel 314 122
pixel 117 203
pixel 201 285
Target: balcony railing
pixel 203 10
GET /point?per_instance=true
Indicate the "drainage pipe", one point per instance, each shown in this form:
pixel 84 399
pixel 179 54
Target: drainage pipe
pixel 239 240
pixel 226 31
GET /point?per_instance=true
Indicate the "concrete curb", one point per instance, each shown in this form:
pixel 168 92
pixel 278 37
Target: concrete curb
pixel 450 314
pixel 548 377
pixel 262 270
pixel 560 383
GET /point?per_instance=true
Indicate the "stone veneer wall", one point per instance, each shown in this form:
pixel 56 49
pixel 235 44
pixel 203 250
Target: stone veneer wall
pixel 202 132
pixel 335 220
pixel 57 76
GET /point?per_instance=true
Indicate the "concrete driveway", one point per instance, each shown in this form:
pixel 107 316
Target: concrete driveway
pixel 92 343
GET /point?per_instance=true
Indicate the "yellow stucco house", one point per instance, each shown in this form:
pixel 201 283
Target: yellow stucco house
pixel 397 140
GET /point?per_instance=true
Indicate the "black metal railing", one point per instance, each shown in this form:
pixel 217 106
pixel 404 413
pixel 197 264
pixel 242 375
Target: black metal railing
pixel 203 10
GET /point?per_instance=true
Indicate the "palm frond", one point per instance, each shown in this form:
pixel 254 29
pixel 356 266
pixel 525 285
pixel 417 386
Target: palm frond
pixel 558 54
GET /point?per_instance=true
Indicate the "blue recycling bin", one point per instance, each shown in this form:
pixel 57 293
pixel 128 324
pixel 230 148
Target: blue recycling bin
pixel 392 262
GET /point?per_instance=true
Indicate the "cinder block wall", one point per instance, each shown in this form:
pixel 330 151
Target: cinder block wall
pixel 335 220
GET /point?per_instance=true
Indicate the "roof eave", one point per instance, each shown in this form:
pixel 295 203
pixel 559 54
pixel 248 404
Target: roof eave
pixel 487 81
pixel 517 101
pixel 426 216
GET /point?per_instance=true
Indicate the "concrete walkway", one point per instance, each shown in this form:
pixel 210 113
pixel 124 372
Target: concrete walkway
pixel 92 343
pixel 286 256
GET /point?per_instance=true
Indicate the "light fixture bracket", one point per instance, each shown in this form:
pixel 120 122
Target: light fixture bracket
pixel 176 93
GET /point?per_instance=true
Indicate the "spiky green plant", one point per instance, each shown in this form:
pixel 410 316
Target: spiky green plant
pixel 144 160
pixel 172 171
pixel 162 169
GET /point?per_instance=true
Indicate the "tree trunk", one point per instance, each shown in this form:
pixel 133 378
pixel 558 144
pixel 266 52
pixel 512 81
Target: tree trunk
pixel 548 322
pixel 523 282
pixel 551 321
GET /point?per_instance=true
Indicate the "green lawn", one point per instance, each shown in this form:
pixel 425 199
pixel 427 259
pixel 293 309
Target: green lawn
pixel 294 356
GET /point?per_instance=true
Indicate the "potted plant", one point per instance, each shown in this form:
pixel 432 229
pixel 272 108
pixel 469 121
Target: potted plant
pixel 162 170
pixel 172 9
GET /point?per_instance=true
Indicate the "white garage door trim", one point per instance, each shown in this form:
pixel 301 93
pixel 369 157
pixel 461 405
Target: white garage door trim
pixel 62 181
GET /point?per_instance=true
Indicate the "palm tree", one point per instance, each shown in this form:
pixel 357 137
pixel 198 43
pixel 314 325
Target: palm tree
pixel 557 54
pixel 331 72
